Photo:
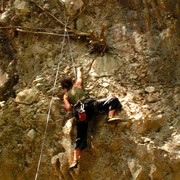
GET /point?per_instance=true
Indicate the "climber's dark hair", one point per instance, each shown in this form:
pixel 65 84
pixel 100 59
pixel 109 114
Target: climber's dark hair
pixel 66 83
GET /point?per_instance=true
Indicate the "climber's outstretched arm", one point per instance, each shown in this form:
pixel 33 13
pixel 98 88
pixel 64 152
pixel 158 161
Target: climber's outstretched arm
pixel 79 79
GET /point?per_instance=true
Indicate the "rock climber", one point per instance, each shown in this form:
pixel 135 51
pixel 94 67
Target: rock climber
pixel 84 108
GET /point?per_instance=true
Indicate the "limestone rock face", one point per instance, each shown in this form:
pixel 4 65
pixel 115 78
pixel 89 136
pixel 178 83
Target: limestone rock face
pixel 22 7
pixel 4 78
pixel 72 6
pixel 27 96
pixel 140 67
pixel 5 16
pixel 105 66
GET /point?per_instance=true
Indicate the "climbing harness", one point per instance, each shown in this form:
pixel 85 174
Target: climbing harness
pixel 55 81
pixel 81 112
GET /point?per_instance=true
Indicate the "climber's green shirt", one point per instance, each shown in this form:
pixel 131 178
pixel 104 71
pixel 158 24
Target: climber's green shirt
pixel 75 94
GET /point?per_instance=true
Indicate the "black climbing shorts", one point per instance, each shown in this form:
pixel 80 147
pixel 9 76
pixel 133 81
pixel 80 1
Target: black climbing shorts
pixel 92 107
pixel 107 104
pixel 81 139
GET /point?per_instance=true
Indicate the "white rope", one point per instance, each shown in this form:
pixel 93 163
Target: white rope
pixel 70 50
pixel 48 115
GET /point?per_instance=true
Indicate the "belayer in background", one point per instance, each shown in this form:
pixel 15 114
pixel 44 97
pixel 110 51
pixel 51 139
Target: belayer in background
pixel 84 108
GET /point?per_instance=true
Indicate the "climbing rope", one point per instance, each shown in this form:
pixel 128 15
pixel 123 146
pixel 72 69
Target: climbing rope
pixel 55 81
pixel 70 50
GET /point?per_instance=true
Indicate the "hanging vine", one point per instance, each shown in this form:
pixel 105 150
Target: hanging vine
pixel 95 43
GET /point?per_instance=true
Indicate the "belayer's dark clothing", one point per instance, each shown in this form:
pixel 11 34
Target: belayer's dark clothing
pixel 92 107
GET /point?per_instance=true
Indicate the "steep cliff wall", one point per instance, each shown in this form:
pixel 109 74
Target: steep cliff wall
pixel 136 59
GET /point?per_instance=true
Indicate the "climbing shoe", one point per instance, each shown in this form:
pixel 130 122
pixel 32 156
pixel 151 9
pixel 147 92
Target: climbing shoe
pixel 74 165
pixel 116 119
pixel 113 119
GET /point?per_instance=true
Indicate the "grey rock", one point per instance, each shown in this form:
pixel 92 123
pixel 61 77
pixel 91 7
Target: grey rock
pixel 27 96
